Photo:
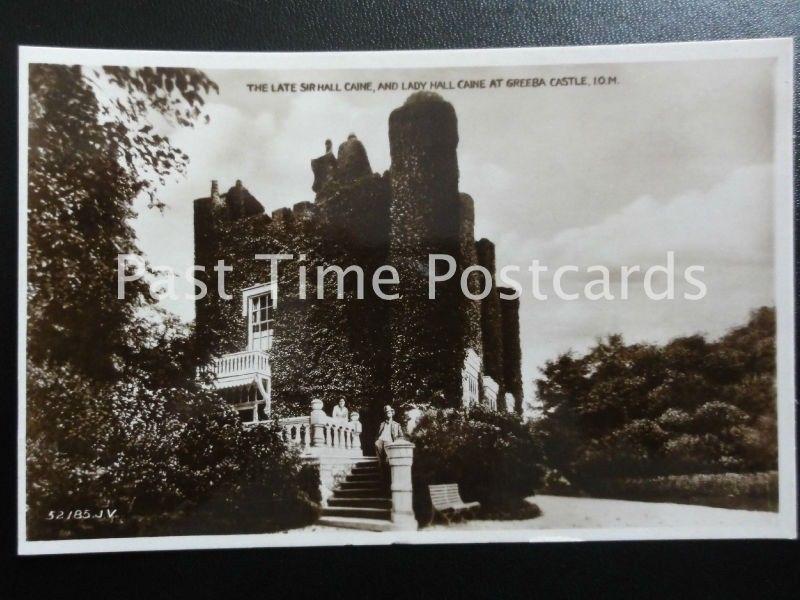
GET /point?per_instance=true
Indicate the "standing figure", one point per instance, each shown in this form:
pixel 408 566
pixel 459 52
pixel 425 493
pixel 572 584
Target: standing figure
pixel 388 431
pixel 340 413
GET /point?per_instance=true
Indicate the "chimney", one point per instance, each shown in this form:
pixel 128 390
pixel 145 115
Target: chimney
pixel 214 191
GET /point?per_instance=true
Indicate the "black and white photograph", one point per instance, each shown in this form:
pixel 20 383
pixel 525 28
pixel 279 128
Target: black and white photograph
pixel 446 296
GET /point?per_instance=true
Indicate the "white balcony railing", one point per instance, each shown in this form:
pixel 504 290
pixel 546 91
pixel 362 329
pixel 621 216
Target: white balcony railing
pixel 249 362
pixel 240 369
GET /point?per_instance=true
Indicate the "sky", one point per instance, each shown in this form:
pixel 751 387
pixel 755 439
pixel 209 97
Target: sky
pixel 673 157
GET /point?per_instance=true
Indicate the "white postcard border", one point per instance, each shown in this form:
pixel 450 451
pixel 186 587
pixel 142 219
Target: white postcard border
pixel 781 49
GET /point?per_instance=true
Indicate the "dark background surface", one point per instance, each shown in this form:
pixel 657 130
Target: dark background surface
pixel 726 569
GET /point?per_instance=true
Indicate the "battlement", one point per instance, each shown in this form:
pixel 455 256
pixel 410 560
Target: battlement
pixel 282 217
pixel 236 203
pixel 304 211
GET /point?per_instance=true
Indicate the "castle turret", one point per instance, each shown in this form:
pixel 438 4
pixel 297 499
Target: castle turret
pixel 352 162
pixel 241 203
pixel 324 168
pixel 428 335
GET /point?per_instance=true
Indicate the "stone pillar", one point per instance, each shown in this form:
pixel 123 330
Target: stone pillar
pixel 400 454
pixel 318 418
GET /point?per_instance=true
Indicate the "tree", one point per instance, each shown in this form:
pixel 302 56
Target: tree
pixel 87 161
pixel 640 410
pixel 115 416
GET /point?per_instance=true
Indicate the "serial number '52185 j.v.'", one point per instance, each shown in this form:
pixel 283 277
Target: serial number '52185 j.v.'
pixel 78 513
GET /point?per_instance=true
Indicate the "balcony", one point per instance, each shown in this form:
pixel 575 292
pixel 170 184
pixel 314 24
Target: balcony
pixel 241 368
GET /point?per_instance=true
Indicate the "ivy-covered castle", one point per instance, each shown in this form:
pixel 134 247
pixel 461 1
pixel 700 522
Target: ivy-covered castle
pixel 277 351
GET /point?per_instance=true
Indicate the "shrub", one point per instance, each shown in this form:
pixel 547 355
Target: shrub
pixel 169 460
pixel 494 457
pixel 270 489
pixel 754 491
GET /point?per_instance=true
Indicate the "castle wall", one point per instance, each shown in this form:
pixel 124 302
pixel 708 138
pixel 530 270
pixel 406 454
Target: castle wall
pixel 205 248
pixel 324 348
pixel 354 218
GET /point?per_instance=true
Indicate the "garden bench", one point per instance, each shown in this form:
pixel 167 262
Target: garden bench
pixel 446 501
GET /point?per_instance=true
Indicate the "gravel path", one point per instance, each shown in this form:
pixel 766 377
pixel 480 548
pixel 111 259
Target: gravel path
pixel 565 512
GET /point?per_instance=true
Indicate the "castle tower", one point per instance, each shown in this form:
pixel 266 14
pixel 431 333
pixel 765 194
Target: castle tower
pixel 491 317
pixel 206 250
pixel 427 336
pixel 512 352
pixel 468 256
pixel 213 214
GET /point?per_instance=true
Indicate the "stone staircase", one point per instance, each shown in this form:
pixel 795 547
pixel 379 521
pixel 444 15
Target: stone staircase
pixel 361 501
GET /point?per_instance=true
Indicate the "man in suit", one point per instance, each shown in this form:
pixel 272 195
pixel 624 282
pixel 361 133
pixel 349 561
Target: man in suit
pixel 388 431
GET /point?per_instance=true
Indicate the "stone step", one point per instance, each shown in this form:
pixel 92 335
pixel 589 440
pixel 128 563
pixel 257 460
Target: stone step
pixel 356 523
pixel 360 492
pixel 366 501
pixel 365 469
pixel 372 477
pixel 356 511
pixel 352 485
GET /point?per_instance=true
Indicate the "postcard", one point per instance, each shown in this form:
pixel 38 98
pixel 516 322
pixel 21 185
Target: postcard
pixel 457 296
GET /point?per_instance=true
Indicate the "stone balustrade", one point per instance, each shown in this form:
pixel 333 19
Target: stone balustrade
pixel 335 446
pixel 319 434
pixel 296 431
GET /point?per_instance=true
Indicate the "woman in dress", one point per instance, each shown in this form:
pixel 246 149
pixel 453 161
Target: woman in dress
pixel 340 412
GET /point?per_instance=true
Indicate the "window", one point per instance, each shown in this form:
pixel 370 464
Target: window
pixel 260 313
pixel 261 322
pixel 258 307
